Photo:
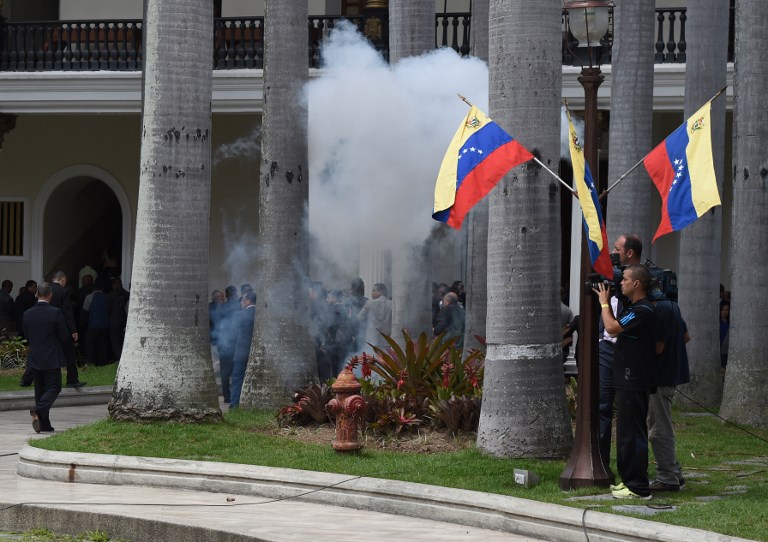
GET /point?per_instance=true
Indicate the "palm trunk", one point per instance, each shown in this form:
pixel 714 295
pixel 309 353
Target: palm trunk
pixel 165 369
pixel 281 358
pixel 746 377
pixel 700 244
pixel 411 28
pixel 524 411
pixel 411 33
pixel 630 203
pixel 477 221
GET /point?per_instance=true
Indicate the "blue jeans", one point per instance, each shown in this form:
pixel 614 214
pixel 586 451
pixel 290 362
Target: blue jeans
pixel 226 365
pixel 238 374
pixel 605 409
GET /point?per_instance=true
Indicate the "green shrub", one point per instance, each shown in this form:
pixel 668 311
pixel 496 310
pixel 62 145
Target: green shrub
pixel 13 353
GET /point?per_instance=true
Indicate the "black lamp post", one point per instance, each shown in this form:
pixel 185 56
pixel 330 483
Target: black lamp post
pixel 588 22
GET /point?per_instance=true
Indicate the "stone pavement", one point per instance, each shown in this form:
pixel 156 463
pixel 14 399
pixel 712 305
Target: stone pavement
pixel 153 499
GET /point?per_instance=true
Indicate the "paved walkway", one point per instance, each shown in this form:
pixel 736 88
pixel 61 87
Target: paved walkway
pixel 253 517
pixel 152 499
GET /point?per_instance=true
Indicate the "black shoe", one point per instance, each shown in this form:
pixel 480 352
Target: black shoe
pixel 25 384
pixel 76 385
pixel 35 420
pixel 47 430
pixel 657 486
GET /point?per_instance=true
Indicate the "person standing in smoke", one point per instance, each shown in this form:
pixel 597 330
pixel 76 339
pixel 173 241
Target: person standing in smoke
pixel 458 288
pixel 451 319
pixel 243 326
pixel 225 338
pixel 378 313
pixel 338 338
pixel 318 325
pixel 356 301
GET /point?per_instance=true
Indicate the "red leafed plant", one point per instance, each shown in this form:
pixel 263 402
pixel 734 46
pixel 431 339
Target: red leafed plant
pixel 412 383
pixel 308 406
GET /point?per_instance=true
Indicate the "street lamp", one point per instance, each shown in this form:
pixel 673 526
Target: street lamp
pixel 588 22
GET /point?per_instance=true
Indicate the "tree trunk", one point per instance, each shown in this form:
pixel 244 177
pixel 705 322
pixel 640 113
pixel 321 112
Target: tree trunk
pixel 746 378
pixel 700 244
pixel 411 28
pixel 629 208
pixel 477 221
pixel 281 358
pixel 411 33
pixel 524 411
pixel 165 370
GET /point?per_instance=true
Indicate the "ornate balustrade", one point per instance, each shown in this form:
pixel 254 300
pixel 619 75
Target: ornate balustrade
pixel 239 42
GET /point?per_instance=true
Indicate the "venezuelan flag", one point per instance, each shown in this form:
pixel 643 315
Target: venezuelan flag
pixel 479 155
pixel 683 171
pixel 592 215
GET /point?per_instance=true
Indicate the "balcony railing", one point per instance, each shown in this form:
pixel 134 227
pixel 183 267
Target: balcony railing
pixel 239 42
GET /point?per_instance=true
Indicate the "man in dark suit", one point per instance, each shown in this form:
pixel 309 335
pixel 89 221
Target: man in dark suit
pixel 244 334
pixel 62 299
pixel 24 301
pixel 46 333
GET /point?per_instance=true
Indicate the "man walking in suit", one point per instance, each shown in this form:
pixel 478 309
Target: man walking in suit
pixel 61 298
pixel 47 334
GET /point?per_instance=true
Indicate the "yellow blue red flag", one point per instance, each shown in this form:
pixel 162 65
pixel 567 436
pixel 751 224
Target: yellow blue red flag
pixel 683 171
pixel 592 215
pixel 479 155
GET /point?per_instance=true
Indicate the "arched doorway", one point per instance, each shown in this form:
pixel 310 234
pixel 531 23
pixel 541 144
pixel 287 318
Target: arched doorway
pixel 81 226
pixel 80 215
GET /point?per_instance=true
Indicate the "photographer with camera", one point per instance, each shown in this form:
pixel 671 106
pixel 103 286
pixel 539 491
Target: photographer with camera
pixel 627 250
pixel 633 377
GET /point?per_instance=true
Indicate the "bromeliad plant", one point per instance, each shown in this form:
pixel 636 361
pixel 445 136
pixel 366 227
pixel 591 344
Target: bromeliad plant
pixel 308 406
pixel 424 381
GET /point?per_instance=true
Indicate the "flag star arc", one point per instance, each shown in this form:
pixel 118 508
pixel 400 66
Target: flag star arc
pixel 479 155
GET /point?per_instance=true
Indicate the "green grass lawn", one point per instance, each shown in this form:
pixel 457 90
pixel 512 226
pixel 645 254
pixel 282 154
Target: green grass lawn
pixel 94 376
pixel 707 448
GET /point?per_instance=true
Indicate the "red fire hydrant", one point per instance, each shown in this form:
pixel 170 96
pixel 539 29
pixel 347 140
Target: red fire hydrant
pixel 349 408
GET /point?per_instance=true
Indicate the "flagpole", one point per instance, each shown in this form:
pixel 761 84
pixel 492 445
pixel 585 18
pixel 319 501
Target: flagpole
pixel 571 190
pixel 555 175
pixel 633 168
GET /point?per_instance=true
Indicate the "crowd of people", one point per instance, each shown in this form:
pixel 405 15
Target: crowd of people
pixel 343 323
pixel 642 347
pixel 56 320
pixel 95 312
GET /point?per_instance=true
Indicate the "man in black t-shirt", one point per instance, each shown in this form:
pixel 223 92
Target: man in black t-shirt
pixel 633 378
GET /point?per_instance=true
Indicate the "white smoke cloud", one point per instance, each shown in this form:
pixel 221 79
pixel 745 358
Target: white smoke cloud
pixel 377 136
pixel 245 147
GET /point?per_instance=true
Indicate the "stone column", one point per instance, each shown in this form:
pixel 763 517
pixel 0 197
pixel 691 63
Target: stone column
pixel 375 267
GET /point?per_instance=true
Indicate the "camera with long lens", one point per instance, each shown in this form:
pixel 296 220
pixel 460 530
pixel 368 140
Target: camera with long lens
pixel 663 281
pixel 596 279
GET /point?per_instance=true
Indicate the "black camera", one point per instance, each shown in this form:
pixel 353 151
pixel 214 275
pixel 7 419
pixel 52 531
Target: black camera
pixel 596 279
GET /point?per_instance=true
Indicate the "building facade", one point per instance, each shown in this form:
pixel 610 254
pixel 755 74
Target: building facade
pixel 70 114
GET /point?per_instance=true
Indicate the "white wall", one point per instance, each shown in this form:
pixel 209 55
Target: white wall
pixel 100 9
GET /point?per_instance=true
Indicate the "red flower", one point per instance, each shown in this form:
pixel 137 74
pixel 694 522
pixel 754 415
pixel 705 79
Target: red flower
pixel 353 362
pixel 402 375
pixel 366 367
pixel 447 369
pixel 472 374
